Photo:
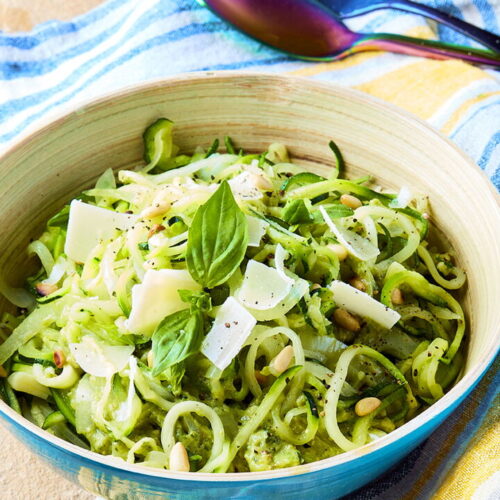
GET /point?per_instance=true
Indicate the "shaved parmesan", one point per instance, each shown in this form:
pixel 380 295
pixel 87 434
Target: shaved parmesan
pixel 89 225
pixel 245 186
pixel 263 287
pixel 280 256
pixel 297 291
pixel 361 303
pixel 256 229
pixel 403 199
pixel 354 243
pixel 99 359
pixel 157 297
pixel 230 330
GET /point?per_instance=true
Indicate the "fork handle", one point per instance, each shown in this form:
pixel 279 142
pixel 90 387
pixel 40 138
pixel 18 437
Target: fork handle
pixel 486 38
pixel 422 47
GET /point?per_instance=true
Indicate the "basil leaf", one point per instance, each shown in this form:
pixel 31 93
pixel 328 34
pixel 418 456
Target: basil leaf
pixel 217 239
pixel 173 375
pixel 177 337
pixel 296 212
pixel 199 301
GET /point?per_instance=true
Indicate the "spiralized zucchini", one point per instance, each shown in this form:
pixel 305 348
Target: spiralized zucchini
pixel 227 316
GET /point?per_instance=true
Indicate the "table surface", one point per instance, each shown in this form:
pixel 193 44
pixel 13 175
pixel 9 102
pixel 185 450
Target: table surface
pixel 23 476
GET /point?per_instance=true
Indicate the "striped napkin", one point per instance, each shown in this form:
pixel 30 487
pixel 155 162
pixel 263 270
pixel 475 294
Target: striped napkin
pixel 122 42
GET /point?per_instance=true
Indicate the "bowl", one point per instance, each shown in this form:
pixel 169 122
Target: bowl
pixel 42 172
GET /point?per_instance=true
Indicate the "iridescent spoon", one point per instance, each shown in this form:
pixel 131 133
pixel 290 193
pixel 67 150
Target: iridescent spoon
pixel 309 30
pixel 352 8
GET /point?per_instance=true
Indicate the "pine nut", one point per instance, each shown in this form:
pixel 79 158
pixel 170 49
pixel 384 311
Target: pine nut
pixel 366 405
pixel 357 283
pixel 282 361
pixel 3 372
pixel 179 460
pixel 315 286
pixel 350 201
pixel 262 183
pixel 156 209
pixel 45 289
pixel 339 250
pixel 155 228
pixel 346 320
pixel 397 297
pixel 261 379
pixel 59 358
pixel 150 359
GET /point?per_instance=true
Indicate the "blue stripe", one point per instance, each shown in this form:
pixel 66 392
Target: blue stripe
pixel 495 178
pixel 488 15
pixel 53 29
pixel 489 150
pixel 248 64
pixel 448 34
pixel 10 70
pixel 16 105
pixel 179 34
pixel 469 120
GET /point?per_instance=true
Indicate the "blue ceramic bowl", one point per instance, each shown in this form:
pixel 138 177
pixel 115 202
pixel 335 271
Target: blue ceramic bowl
pixel 256 110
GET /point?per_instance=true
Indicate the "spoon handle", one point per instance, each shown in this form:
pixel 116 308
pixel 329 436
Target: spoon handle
pixel 486 38
pixel 421 47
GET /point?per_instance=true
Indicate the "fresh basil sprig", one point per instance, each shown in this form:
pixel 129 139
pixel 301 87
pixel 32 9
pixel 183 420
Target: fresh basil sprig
pixel 177 337
pixel 296 212
pixel 217 239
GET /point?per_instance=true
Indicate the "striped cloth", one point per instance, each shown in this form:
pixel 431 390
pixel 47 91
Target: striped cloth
pixel 124 41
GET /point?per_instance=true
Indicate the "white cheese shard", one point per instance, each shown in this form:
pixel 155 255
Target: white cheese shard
pixel 364 305
pixel 403 198
pixel 100 360
pixel 88 225
pixel 280 256
pixel 355 244
pixel 263 287
pixel 256 229
pixel 157 297
pixel 297 291
pixel 229 332
pixel 246 186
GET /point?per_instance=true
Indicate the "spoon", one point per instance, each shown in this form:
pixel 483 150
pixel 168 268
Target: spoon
pixel 351 8
pixel 310 30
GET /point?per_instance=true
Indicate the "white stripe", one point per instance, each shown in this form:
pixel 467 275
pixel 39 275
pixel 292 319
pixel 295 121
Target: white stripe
pixel 25 86
pixel 470 12
pixel 448 107
pixel 54 45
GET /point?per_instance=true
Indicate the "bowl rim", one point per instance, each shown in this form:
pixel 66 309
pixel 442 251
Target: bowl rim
pixel 454 395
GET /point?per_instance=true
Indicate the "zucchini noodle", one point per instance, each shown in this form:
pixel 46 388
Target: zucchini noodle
pixel 167 431
pixel 256 342
pixel 453 284
pixel 338 380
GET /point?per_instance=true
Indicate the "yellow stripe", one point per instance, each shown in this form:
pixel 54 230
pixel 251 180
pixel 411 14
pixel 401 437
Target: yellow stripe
pixel 349 62
pixel 424 86
pixel 481 461
pixel 458 114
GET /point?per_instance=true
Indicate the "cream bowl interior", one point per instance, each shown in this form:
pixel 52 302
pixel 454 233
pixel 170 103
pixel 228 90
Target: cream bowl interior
pixel 44 171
